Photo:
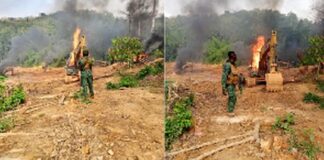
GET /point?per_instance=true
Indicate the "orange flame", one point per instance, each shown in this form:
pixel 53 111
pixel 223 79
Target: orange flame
pixel 76 39
pixel 256 50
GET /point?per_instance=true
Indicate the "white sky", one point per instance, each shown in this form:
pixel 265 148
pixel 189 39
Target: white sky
pixel 20 8
pixel 302 8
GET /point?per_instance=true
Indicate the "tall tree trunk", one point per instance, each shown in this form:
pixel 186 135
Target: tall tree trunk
pixel 155 2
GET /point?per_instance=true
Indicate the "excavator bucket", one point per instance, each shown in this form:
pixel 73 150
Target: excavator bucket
pixel 274 82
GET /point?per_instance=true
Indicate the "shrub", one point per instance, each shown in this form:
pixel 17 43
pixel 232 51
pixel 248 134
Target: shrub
pixel 180 120
pixel 315 51
pixel 284 123
pixel 312 98
pixel 320 86
pixel 80 96
pixel 124 49
pixel 150 70
pixel 128 81
pixel 17 97
pixel 133 80
pixel 216 50
pixel 5 124
pixel 306 144
pixel 111 85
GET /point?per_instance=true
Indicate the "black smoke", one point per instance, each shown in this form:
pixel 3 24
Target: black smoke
pixel 97 25
pixel 205 18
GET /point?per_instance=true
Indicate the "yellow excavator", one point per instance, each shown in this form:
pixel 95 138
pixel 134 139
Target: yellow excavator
pixel 268 68
pixel 71 68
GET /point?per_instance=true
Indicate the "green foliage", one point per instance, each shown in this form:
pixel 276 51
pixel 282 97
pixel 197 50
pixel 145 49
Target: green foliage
pixel 125 81
pixel 6 124
pixel 111 85
pixel 180 120
pixel 32 59
pixel 315 51
pixel 175 37
pixel 158 53
pixel 80 96
pixel 2 78
pixel 58 62
pixel 124 49
pixel 284 123
pixel 216 50
pixel 321 105
pixel 128 81
pixel 150 70
pixel 306 143
pixel 312 98
pixel 133 80
pixel 2 86
pixel 16 97
pixel 320 86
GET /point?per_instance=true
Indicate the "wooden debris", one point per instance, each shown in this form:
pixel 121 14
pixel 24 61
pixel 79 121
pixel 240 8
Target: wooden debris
pixel 61 101
pixel 223 147
pixel 248 137
pixel 209 143
pixel 254 137
pixel 17 134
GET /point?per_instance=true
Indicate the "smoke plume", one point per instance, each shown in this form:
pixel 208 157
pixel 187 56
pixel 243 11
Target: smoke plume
pixel 202 14
pixel 99 29
pixel 199 13
pixel 142 17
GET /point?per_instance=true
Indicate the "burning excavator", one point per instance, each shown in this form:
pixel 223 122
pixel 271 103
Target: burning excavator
pixel 71 68
pixel 264 66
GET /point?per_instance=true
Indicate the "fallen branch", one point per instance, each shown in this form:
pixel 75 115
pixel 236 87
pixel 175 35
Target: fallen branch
pixel 209 143
pixel 254 137
pixel 31 110
pixel 61 101
pixel 48 96
pixel 223 147
pixel 17 134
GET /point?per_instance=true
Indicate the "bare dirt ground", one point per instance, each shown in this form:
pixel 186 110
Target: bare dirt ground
pixel 255 105
pixel 118 124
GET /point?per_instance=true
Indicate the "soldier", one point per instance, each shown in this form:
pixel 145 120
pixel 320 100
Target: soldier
pixel 85 66
pixel 230 79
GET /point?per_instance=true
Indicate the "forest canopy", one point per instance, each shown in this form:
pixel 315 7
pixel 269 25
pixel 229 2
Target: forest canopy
pixel 240 29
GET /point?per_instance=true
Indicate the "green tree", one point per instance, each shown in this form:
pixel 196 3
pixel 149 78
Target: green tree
pixel 315 51
pixel 124 49
pixel 175 37
pixel 216 50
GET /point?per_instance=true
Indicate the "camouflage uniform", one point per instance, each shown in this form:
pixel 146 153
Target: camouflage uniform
pixel 230 79
pixel 85 66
